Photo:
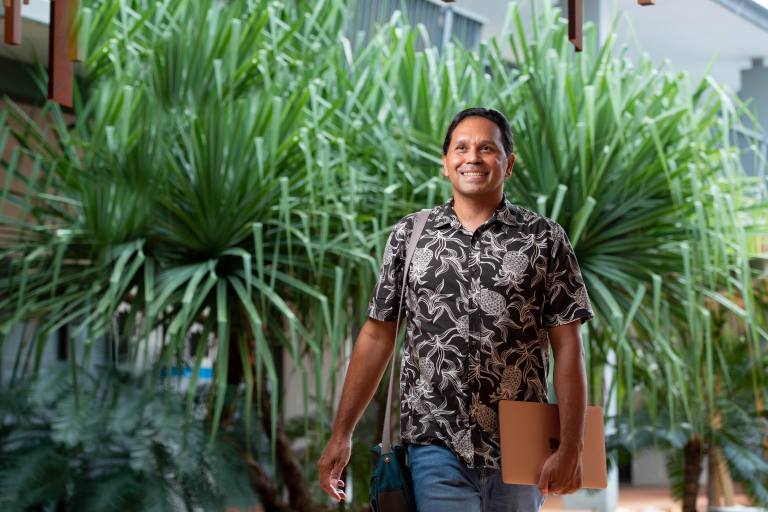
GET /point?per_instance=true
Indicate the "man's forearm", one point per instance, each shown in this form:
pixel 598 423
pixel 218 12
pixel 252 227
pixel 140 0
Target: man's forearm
pixel 372 352
pixel 571 389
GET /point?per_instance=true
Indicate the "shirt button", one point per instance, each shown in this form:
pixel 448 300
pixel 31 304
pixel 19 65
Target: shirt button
pixel 474 304
pixel 473 382
pixel 474 342
pixel 474 268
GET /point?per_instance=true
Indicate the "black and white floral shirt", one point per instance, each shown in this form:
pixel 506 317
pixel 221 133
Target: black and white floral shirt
pixel 478 306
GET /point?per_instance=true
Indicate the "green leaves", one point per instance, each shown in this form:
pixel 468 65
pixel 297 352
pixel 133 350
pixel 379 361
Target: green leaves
pixel 120 450
pixel 242 160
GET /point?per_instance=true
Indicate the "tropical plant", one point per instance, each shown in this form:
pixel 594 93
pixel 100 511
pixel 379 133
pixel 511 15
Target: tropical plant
pixel 236 169
pixel 188 190
pixel 736 432
pixel 102 443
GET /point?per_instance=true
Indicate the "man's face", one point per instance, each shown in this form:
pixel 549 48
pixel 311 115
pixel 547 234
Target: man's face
pixel 475 162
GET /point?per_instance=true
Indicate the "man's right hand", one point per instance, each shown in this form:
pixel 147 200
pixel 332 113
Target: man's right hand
pixel 332 462
pixel 370 356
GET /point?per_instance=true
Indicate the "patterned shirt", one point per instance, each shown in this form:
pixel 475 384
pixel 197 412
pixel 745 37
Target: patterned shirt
pixel 478 306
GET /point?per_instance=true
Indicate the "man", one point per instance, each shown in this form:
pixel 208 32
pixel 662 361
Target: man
pixel 490 285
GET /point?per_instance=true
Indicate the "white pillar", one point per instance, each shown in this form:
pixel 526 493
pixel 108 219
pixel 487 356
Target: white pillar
pixel 599 12
pixel 754 85
pixel 447 27
pixel 604 500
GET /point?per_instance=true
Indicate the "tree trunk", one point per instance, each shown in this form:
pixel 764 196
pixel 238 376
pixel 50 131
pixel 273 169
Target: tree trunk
pixel 300 497
pixel 691 472
pixel 714 493
pixel 270 498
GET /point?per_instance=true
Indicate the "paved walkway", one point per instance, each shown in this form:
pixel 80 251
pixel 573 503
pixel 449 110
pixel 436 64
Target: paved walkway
pixel 640 499
pixel 631 499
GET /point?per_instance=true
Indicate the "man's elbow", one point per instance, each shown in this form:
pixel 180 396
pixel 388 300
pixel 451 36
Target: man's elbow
pixel 379 332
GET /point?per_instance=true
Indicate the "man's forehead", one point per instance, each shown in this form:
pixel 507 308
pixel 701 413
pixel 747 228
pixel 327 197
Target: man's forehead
pixel 465 132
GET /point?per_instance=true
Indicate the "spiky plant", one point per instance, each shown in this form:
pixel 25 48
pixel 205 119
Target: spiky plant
pixel 238 166
pixel 205 184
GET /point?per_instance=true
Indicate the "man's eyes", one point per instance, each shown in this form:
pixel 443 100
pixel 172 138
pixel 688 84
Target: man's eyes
pixel 483 147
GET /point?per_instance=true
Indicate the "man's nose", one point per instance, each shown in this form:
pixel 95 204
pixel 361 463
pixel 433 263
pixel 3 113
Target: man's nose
pixel 473 155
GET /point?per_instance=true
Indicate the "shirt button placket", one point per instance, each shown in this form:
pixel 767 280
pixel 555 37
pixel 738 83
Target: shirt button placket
pixel 474 317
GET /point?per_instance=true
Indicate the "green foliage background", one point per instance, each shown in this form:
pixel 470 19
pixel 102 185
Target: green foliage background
pixel 238 166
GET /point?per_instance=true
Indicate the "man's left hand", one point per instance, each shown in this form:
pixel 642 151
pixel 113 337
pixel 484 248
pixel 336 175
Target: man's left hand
pixel 562 473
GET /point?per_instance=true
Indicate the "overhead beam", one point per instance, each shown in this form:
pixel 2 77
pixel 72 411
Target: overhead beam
pixel 59 65
pixel 575 22
pixel 12 21
pixel 751 11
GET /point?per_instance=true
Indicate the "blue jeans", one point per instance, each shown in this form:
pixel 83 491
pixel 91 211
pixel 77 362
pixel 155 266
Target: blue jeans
pixel 441 483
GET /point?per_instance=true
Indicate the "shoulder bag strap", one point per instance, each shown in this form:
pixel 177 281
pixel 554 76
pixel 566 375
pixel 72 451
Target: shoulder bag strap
pixel 418 227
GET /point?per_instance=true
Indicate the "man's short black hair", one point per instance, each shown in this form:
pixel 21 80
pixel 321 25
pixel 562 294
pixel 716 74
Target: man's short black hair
pixel 488 113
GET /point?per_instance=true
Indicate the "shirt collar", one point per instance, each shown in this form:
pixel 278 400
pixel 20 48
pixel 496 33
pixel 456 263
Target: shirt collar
pixel 445 214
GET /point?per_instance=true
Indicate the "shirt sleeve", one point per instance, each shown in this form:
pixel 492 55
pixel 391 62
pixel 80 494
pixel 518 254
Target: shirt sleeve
pixel 567 299
pixel 385 298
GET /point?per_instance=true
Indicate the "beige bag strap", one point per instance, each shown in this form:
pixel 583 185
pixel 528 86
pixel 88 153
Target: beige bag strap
pixel 421 220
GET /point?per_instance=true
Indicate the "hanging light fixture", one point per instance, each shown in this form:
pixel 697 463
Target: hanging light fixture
pixel 646 2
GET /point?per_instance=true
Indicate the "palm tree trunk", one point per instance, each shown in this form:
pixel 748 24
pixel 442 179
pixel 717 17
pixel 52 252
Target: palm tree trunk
pixel 300 499
pixel 691 472
pixel 298 489
pixel 270 497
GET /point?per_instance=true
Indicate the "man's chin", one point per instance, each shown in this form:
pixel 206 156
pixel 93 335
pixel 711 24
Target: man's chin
pixel 481 191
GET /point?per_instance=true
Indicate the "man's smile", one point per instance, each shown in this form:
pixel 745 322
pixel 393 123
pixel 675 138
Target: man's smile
pixel 473 173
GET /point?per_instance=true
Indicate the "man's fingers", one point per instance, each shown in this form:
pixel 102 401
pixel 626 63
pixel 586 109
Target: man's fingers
pixel 335 473
pixel 329 477
pixel 544 482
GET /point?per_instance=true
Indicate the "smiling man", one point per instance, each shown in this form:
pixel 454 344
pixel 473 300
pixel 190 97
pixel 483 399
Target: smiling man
pixel 491 286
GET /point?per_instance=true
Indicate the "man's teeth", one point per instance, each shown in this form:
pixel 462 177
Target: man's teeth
pixel 474 173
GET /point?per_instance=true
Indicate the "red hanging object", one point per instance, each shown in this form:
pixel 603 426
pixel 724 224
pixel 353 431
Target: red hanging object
pixel 59 65
pixel 12 21
pixel 575 21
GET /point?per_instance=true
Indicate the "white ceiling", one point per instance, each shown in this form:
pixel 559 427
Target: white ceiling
pixel 688 32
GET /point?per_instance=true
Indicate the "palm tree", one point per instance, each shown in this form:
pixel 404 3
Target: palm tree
pixel 181 190
pixel 236 168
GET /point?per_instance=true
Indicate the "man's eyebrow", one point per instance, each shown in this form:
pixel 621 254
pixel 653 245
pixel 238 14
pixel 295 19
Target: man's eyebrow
pixel 484 141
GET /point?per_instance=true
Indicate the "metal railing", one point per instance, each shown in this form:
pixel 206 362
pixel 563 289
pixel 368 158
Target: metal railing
pixel 442 21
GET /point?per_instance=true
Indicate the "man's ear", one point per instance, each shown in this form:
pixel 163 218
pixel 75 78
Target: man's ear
pixel 510 162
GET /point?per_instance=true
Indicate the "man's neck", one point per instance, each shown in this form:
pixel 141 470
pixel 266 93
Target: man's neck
pixel 474 211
